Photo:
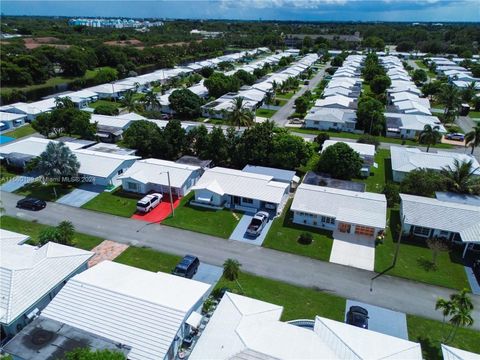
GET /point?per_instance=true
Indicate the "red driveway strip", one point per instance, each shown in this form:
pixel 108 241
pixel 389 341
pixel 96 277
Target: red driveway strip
pixel 161 212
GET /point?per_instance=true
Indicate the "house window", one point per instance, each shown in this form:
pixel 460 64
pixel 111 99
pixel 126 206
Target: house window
pixel 316 122
pixel 334 124
pixel 120 172
pixel 132 186
pixel 328 220
pixel 423 231
pixel 247 201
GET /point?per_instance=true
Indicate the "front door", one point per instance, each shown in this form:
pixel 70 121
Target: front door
pixel 344 227
pixel 236 200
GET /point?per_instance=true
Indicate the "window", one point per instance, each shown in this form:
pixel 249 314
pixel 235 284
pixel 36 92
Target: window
pixel 335 124
pixel 120 172
pixel 328 220
pixel 247 201
pixel 132 186
pixel 316 122
pixel 423 231
pixel 364 230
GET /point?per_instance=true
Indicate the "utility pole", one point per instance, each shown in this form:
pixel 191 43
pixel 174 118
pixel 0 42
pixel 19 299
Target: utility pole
pixel 170 191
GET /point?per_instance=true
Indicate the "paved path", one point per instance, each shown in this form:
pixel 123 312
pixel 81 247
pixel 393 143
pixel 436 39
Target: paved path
pixel 389 292
pixel 106 250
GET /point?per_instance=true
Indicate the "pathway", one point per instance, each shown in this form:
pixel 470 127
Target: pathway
pixel 106 250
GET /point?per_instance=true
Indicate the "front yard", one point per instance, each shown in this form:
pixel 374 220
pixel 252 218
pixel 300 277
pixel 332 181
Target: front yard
pixel 266 113
pixel 220 223
pixel 48 192
pixel 118 203
pixel 148 259
pixel 6 174
pixel 20 132
pixel 284 234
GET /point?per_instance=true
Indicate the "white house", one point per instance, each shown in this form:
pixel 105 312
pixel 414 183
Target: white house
pixel 281 175
pixel 412 107
pixel 427 217
pixel 409 126
pixel 245 328
pixel 221 187
pixel 82 98
pixel 405 160
pixel 31 276
pixel 331 119
pixel 31 110
pixel 346 211
pixel 10 121
pixel 366 152
pixel 144 310
pixel 151 175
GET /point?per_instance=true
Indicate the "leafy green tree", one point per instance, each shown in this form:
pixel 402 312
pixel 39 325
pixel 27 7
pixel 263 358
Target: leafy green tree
pixel 374 43
pixel 321 138
pixel 106 109
pixel 217 149
pixel 392 194
pixel 429 136
pixel 449 97
pixel 130 102
pixel 289 151
pixel 106 75
pixel 48 234
pixel 370 117
pixel 419 76
pixel 206 71
pixel 89 354
pixel 432 89
pixel 174 141
pixel 462 312
pixel 142 135
pixel 231 271
pixel 150 100
pixel 65 232
pixel 446 306
pixel 64 103
pixel 245 77
pixel 340 161
pixel 197 139
pixel 301 105
pixel 423 182
pixel 380 84
pixel 219 84
pixel 460 178
pixel 468 93
pixel 240 115
pixel 472 138
pixel 185 103
pixel 58 161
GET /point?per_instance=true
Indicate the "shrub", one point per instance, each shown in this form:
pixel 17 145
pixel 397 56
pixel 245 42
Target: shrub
pixel 106 109
pixel 392 193
pixel 369 139
pixel 321 138
pixel 305 238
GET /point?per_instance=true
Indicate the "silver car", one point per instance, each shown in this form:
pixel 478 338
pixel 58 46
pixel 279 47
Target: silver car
pixel 257 224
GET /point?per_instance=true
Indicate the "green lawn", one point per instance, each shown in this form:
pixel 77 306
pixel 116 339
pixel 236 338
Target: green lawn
pixel 283 236
pixel 312 163
pixel 148 259
pixel 117 203
pixel 6 174
pixel 33 229
pixel 287 95
pixel 267 113
pixel 366 89
pixel 281 102
pixel 378 176
pixel 414 260
pixel 220 223
pixel 48 192
pixel 474 114
pixel 97 103
pixel 20 132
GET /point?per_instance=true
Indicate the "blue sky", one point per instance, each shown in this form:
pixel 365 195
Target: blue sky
pixel 308 10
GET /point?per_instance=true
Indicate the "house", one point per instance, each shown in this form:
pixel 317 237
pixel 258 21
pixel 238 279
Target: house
pixel 280 175
pixel 245 328
pixel 147 311
pixel 157 175
pixel 451 353
pixel 31 110
pixel 405 160
pixel 221 187
pixel 31 276
pixel 220 107
pixel 10 121
pixel 366 152
pixel 409 126
pixel 110 128
pixel 337 102
pixel 346 211
pixel 331 119
pixel 443 217
pixel 412 107
pixel 82 98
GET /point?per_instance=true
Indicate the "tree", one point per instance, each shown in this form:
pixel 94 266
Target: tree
pixel 58 162
pixel 106 109
pixel 197 139
pixel 174 141
pixel 289 151
pixel 392 194
pixel 48 234
pixel 130 102
pixel 468 93
pixel 219 84
pixel 150 100
pixel 449 97
pixel 340 161
pixel 321 138
pixel 446 306
pixel 370 116
pixel 301 105
pixel 231 271
pixel 206 71
pixel 462 310
pixel 142 135
pixel 217 148
pixel 368 139
pixel 245 77
pixel 240 115
pixel 185 103
pixel 429 136
pixel 431 89
pixel 65 232
pixel 106 75
pixel 472 138
pixel 423 182
pixel 374 43
pixel 380 84
pixel 460 178
pixel 419 76
pixel 89 354
pixel 64 103
pixel 437 244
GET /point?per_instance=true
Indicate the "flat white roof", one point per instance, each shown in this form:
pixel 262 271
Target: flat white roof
pixel 32 146
pixel 128 305
pixel 451 353
pixel 98 163
pixel 362 208
pixel 362 149
pixel 12 237
pixel 416 122
pixel 5 116
pixel 339 100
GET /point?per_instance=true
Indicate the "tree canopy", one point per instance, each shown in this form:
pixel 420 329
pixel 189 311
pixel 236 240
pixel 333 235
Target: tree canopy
pixel 185 103
pixel 340 161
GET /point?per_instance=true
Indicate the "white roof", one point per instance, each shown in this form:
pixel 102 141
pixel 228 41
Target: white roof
pixel 362 208
pixel 442 215
pixel 28 273
pixel 362 149
pixel 5 116
pixel 407 159
pixel 409 107
pixel 331 115
pixel 154 171
pixel 451 353
pixel 139 308
pixel 32 146
pixel 416 122
pixel 339 100
pixel 239 183
pixel 98 163
pixel 12 238
pixel 106 120
pixel 34 108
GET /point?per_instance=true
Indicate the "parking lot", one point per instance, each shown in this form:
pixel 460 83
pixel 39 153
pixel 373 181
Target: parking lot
pixel 239 234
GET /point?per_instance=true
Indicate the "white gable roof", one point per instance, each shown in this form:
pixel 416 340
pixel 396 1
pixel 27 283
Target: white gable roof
pixel 336 100
pixel 451 353
pixel 362 149
pixel 101 164
pixel 128 305
pixel 5 116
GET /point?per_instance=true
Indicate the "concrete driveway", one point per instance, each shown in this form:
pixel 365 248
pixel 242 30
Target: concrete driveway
pixel 18 182
pixel 239 234
pixel 383 320
pixel 353 250
pixel 209 274
pixel 83 194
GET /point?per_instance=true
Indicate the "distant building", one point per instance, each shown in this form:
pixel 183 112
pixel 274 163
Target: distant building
pixel 113 23
pixel 206 34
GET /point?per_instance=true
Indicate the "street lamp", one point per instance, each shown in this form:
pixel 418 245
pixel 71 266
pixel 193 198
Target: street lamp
pixel 169 191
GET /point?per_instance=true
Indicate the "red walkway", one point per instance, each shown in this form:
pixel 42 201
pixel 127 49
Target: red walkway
pixel 161 212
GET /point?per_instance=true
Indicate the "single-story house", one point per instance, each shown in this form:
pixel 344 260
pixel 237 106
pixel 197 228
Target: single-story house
pixel 337 101
pixel 412 107
pixel 405 160
pixel 10 121
pixel 220 107
pixel 82 98
pixel 149 175
pixel 246 328
pixel 366 152
pixel 339 91
pixel 221 187
pixel 427 217
pixel 346 211
pixel 409 126
pixel 31 110
pixel 110 128
pixel 147 311
pixel 31 277
pixel 286 176
pixel 111 91
pixel 402 96
pixel 331 119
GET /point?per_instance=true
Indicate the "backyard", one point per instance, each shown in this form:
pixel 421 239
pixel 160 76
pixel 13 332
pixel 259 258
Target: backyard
pixel 20 132
pixel 376 181
pixel 220 223
pixel 51 191
pixel 97 103
pixel 118 203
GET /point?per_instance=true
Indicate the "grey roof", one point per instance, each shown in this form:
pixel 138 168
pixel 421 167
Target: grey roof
pixel 458 198
pixel 331 115
pixel 442 215
pixel 313 178
pixel 194 161
pixel 277 174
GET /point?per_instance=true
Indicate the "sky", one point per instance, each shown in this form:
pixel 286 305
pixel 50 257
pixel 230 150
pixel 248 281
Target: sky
pixel 306 10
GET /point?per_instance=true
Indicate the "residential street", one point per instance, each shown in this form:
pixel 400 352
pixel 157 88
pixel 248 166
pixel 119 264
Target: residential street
pixel 390 292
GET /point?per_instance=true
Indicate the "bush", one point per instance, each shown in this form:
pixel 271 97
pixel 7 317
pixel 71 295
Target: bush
pixel 392 193
pixel 321 138
pixel 305 238
pixel 48 234
pixel 368 139
pixel 106 109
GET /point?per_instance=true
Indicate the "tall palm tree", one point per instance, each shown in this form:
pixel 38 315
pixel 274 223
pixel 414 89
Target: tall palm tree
pixel 446 306
pixel 429 136
pixel 472 138
pixel 240 115
pixel 130 103
pixel 231 271
pixel 469 92
pixel 449 96
pixel 58 161
pixel 150 100
pixel 462 311
pixel 460 178
pixel 270 98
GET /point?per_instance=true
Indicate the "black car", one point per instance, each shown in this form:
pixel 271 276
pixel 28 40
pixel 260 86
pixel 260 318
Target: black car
pixel 31 203
pixel 357 316
pixel 187 267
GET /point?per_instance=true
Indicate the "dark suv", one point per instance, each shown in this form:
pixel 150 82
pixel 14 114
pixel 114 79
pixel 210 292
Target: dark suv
pixel 357 316
pixel 187 267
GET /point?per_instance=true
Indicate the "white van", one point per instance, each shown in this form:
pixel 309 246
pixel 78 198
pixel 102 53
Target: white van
pixel 149 202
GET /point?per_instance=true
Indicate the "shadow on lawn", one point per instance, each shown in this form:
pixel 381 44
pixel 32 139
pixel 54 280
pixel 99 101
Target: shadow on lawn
pixel 47 192
pixel 387 163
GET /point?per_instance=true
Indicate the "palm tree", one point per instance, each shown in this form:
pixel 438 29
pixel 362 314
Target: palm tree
pixel 460 178
pixel 66 232
pixel 472 138
pixel 469 92
pixel 462 310
pixel 429 135
pixel 130 103
pixel 58 161
pixel 240 115
pixel 270 98
pixel 446 306
pixel 231 271
pixel 150 100
pixel 449 96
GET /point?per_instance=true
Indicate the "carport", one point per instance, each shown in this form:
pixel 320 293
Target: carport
pixel 239 234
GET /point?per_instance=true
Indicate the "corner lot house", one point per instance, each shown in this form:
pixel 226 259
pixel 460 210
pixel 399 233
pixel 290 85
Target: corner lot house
pixel 151 175
pixel 445 217
pixel 245 328
pixel 405 160
pixel 345 211
pixel 141 309
pixel 221 187
pixel 30 277
pixel 366 152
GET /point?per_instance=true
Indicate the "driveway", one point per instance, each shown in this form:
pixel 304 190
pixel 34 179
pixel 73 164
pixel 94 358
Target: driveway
pixel 383 320
pixel 160 213
pixel 209 274
pixel 239 234
pixel 353 250
pixel 18 182
pixel 83 194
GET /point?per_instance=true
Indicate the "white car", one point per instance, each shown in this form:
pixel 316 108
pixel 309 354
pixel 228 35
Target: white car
pixel 149 202
pixel 257 224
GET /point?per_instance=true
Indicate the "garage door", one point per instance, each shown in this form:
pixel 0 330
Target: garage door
pixel 364 230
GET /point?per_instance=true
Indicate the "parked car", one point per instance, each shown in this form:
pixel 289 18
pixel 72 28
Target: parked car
pixel 149 202
pixel 258 223
pixel 455 136
pixel 357 316
pixel 31 203
pixel 187 267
